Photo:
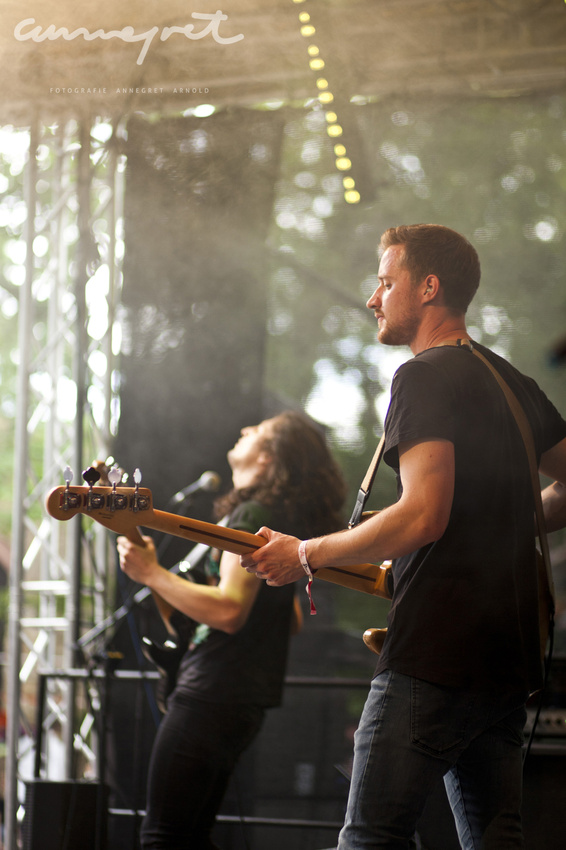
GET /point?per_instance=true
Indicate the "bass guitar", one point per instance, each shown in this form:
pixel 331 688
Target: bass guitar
pixel 124 510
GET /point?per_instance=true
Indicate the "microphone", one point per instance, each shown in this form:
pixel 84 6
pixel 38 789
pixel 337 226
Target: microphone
pixel 209 481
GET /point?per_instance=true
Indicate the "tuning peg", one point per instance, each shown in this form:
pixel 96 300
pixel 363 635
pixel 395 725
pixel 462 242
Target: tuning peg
pixel 139 502
pixel 94 500
pixel 91 476
pixel 114 476
pixel 70 500
pixel 117 500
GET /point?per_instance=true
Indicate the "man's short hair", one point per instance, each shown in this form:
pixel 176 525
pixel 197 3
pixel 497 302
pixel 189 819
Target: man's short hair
pixel 438 250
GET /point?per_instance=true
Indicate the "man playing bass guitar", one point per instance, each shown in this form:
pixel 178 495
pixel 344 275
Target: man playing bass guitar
pixel 463 650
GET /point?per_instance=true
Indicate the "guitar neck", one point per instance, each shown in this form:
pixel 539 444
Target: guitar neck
pixel 217 536
pixel 123 510
pixel 366 578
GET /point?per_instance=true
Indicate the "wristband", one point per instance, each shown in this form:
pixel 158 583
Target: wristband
pixel 306 567
pixel 303 558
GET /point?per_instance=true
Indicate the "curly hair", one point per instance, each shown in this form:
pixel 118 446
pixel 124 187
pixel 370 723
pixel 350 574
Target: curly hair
pixel 303 486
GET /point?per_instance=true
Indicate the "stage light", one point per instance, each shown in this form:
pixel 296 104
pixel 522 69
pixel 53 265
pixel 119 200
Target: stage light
pixel 343 163
pixel 317 64
pixel 352 196
pixel 307 30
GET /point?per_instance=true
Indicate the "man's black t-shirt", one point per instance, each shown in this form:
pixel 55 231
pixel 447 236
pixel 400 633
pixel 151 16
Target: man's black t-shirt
pixel 464 610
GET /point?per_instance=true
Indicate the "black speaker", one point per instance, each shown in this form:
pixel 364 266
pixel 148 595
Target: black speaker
pixel 65 815
pixel 544 812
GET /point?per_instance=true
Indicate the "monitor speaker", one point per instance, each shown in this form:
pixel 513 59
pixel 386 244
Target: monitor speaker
pixel 65 815
pixel 544 813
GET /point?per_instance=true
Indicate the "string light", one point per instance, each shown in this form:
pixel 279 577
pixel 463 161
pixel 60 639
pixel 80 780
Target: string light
pixel 352 196
pixel 334 129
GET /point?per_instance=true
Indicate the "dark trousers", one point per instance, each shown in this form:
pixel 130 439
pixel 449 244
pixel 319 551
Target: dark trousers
pixel 411 735
pixel 194 754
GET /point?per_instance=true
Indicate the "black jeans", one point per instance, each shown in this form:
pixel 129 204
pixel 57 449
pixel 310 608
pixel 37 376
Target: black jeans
pixel 195 751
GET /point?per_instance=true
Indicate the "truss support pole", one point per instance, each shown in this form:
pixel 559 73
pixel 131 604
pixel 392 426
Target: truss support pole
pixel 53 566
pixel 85 248
pixel 19 502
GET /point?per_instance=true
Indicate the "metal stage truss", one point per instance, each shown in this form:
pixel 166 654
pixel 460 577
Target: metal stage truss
pixel 67 406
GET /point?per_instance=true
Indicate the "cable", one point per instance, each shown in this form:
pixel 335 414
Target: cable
pixel 542 694
pixel 241 815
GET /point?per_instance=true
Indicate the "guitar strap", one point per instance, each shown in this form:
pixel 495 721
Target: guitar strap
pixel 367 484
pixel 528 441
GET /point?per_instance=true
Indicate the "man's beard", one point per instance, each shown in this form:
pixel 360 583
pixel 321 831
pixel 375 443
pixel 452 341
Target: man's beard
pixel 398 333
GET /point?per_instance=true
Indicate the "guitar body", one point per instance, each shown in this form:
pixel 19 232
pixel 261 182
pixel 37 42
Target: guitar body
pixel 374 638
pixel 167 657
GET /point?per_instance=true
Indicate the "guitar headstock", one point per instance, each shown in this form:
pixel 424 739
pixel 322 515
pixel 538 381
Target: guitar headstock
pixel 121 509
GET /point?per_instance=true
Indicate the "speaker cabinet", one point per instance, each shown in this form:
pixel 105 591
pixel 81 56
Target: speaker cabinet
pixel 544 791
pixel 65 815
pixel 544 812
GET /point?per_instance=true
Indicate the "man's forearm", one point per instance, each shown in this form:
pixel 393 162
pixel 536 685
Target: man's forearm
pixel 419 517
pixel 554 506
pixel 393 532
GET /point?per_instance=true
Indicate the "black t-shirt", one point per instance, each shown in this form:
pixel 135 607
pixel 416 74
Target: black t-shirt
pixel 464 611
pixel 249 666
